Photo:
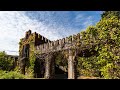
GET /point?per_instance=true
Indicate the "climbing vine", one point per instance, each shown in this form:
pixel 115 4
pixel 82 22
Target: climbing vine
pixel 31 59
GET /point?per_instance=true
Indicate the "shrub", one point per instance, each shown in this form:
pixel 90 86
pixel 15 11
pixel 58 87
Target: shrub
pixel 5 63
pixel 11 75
pixel 102 64
pixel 110 71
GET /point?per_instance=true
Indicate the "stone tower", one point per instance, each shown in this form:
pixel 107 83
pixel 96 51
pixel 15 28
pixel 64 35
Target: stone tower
pixel 27 48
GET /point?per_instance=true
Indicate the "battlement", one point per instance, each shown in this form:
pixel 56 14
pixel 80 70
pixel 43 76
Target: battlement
pixel 27 34
pixel 59 44
pixel 34 37
pixel 28 43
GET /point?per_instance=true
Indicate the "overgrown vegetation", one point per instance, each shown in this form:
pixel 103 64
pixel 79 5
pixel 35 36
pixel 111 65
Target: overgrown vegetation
pixel 6 68
pixel 5 63
pixel 31 62
pixel 106 63
pixel 11 75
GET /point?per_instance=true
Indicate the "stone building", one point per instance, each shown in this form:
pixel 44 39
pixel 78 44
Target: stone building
pixel 36 49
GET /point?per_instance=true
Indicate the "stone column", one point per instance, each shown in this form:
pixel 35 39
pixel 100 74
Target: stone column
pixel 49 67
pixel 71 64
pixel 53 68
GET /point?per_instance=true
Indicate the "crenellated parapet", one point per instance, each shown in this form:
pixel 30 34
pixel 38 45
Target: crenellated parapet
pixel 61 44
pixel 33 37
pixel 30 41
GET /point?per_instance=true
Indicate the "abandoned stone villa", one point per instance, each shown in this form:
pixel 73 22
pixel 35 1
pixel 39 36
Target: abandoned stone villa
pixel 43 51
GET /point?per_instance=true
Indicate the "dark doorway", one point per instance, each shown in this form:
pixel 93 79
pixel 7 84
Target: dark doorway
pixel 59 73
pixel 39 69
pixel 61 66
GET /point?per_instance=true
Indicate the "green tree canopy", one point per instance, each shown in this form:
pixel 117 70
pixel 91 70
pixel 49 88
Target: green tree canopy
pixel 106 63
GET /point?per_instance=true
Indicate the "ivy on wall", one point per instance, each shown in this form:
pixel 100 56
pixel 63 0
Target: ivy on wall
pixel 31 59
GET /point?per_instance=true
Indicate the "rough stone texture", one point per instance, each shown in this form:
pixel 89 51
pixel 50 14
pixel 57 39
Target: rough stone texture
pixel 71 65
pixel 36 38
pixel 28 43
pixel 48 68
pixel 45 48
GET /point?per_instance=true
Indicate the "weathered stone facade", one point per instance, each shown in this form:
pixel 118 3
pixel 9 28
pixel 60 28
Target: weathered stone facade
pixel 27 47
pixel 44 49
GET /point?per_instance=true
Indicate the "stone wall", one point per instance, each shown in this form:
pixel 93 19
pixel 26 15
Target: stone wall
pixel 40 46
pixel 29 38
pixel 61 44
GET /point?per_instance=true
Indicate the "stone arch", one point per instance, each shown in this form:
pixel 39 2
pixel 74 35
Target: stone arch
pixel 61 65
pixel 39 68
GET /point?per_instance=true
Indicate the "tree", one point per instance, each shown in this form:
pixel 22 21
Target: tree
pixel 108 14
pixel 106 63
pixel 5 63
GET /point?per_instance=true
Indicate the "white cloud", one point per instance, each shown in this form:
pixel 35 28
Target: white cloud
pixel 79 17
pixel 84 21
pixel 13 25
pixel 89 21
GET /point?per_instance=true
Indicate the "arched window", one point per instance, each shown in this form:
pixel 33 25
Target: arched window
pixel 25 51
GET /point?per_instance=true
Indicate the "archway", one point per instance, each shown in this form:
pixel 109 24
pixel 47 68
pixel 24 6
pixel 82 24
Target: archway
pixel 61 65
pixel 39 68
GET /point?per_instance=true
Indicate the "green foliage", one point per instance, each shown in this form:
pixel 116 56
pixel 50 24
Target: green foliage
pixel 2 73
pixel 91 30
pixel 5 63
pixel 103 64
pixel 111 71
pixel 87 66
pixel 108 14
pixel 60 60
pixel 11 75
pixel 31 62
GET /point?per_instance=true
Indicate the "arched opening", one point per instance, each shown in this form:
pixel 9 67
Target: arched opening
pixel 61 65
pixel 39 68
pixel 60 73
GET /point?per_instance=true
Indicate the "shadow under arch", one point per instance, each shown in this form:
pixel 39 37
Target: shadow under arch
pixel 61 65
pixel 39 68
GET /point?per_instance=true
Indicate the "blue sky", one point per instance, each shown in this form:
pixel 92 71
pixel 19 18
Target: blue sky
pixel 51 24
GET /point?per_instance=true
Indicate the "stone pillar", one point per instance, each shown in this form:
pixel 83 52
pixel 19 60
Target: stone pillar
pixel 71 65
pixel 52 67
pixel 49 67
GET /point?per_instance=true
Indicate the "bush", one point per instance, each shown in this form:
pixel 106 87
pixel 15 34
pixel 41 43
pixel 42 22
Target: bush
pixel 2 73
pixel 108 53
pixel 5 63
pixel 11 75
pixel 111 71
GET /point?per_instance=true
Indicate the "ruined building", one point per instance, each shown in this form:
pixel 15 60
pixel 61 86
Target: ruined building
pixel 40 53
